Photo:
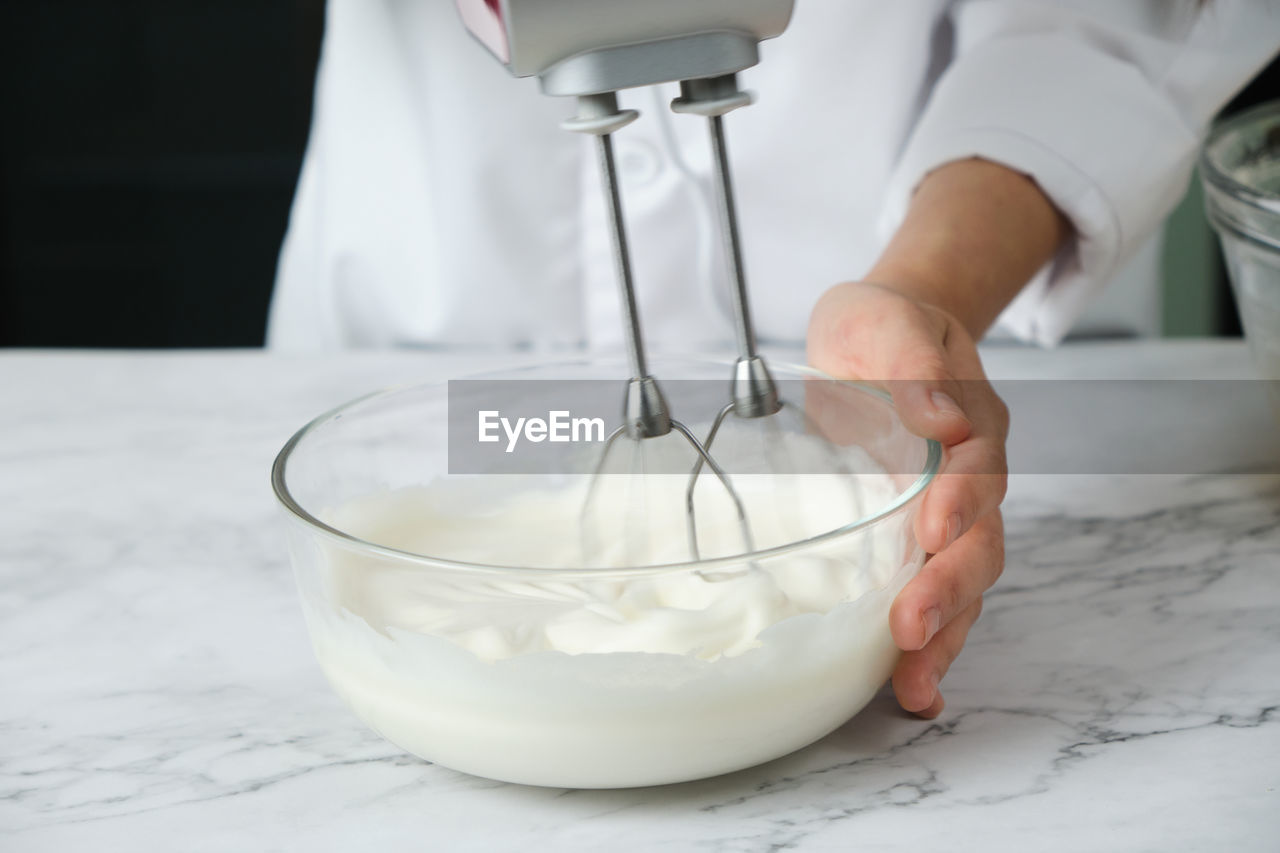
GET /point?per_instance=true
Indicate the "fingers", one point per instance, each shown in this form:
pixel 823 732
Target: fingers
pixel 963 493
pixel 935 707
pixel 916 678
pixel 871 333
pixel 973 480
pixel 948 584
pixel 931 403
pixel 930 366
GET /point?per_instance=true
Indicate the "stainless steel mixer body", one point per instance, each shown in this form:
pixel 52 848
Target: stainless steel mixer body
pixel 593 48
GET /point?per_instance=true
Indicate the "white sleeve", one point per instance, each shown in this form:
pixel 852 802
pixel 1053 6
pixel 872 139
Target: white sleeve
pixel 1102 102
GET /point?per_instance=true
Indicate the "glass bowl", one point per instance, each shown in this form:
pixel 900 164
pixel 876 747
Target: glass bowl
pixel 1240 170
pixel 455 602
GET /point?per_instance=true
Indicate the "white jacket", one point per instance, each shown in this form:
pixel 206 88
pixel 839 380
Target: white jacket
pixel 441 204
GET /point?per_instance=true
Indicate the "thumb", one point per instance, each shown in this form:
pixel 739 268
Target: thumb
pixel 928 398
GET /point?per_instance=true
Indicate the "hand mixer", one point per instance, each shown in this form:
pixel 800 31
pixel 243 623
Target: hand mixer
pixel 591 49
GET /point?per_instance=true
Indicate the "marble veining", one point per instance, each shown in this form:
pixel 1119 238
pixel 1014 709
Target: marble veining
pixel 1120 692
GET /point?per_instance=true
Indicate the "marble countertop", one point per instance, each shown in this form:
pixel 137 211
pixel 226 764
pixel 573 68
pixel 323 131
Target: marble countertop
pixel 157 690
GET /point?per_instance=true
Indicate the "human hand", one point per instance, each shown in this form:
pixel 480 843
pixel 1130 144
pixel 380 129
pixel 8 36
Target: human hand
pixel 873 332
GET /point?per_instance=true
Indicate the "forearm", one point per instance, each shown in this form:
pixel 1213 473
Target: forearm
pixel 974 234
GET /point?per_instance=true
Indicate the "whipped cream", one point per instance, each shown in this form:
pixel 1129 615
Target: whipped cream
pixel 576 678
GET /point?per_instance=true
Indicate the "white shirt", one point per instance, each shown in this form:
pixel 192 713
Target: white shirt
pixel 441 204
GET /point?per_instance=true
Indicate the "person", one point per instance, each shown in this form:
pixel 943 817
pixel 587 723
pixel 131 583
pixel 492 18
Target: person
pixel 913 173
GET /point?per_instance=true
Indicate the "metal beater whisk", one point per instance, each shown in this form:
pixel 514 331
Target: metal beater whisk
pixel 646 414
pixel 591 49
pixel 753 392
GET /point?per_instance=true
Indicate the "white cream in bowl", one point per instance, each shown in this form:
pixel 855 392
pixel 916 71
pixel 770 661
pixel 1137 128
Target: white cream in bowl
pixel 587 679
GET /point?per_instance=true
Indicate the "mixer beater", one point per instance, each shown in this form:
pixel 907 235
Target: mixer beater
pixel 753 392
pixel 646 414
pixel 593 48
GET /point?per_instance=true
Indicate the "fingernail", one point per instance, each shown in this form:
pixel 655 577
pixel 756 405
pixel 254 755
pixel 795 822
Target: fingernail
pixel 934 681
pixel 944 404
pixel 932 622
pixel 954 523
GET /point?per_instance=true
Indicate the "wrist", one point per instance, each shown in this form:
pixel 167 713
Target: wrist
pixel 974 235
pixel 923 283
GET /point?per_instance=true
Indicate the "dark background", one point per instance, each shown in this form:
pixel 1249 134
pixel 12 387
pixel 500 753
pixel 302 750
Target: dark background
pixel 147 164
pixel 150 151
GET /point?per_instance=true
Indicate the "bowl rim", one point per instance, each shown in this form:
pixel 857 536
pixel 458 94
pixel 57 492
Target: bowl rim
pixel 1218 178
pixel 932 465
